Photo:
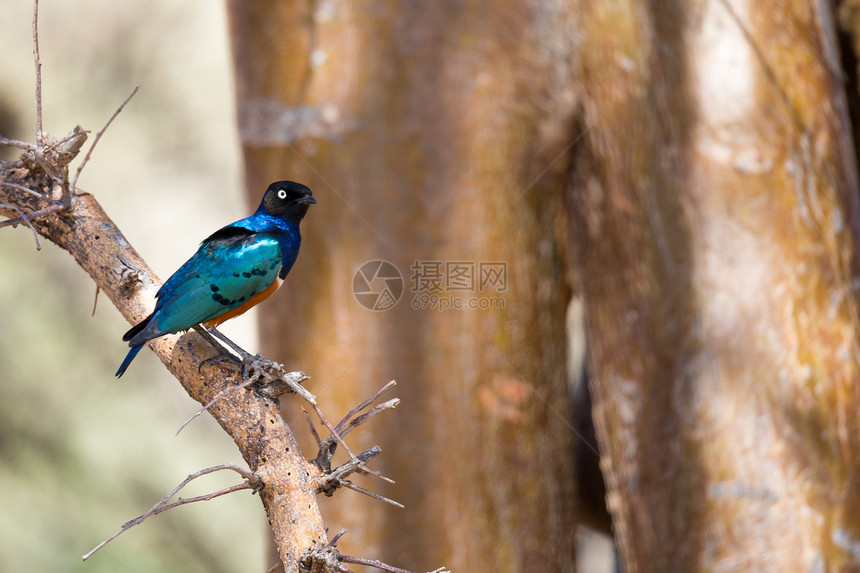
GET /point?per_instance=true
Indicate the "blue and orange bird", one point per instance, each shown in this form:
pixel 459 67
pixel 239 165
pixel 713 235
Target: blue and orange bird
pixel 235 268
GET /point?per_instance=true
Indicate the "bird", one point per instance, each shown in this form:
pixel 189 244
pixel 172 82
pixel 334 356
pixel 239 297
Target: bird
pixel 235 268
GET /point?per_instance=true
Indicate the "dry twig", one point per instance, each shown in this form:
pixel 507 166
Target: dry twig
pixel 74 183
pixel 252 481
pixel 297 376
pixel 38 61
pixel 328 558
pixel 275 374
pixel 96 300
pixel 27 217
pixel 19 144
pixel 335 478
pixel 19 187
pixel 23 218
pixel 350 422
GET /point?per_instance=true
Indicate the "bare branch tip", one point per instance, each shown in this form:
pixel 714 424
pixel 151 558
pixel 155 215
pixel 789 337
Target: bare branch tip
pixel 17 143
pixel 221 395
pixel 382 498
pixel 253 482
pixel 22 218
pixel 38 63
pixel 96 300
pixel 313 429
pixel 74 183
pixel 336 538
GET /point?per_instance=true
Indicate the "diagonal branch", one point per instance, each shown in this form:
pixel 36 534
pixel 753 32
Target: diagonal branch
pixel 38 62
pixel 252 482
pixel 22 218
pixel 253 421
pixel 329 558
pixel 27 217
pixel 74 182
pixel 78 224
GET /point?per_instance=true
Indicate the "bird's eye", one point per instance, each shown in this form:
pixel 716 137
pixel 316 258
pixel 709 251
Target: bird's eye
pixel 282 194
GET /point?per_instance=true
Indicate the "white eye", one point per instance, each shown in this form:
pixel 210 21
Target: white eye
pixel 282 194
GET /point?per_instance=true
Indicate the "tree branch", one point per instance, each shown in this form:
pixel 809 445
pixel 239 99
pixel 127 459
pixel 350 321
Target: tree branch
pixel 251 482
pixel 253 421
pixel 38 63
pixel 250 417
pixel 328 558
pixel 22 218
pixel 74 183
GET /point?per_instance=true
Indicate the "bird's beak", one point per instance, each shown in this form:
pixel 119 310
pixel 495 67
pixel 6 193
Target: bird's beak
pixel 307 200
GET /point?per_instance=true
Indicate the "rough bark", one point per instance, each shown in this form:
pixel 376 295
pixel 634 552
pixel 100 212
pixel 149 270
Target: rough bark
pixel 716 223
pixel 252 421
pixel 428 131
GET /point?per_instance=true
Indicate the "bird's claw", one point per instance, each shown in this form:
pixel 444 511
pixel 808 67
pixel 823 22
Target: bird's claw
pixel 259 367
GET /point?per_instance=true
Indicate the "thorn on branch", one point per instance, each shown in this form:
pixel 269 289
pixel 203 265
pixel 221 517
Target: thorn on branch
pixel 336 478
pixel 365 404
pixel 337 537
pixel 313 430
pixel 368 493
pixel 96 300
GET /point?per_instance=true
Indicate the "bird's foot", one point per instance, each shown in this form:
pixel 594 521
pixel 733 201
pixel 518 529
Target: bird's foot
pixel 271 379
pixel 259 366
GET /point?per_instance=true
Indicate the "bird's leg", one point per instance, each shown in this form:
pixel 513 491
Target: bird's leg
pixel 257 368
pixel 249 362
pixel 233 346
pixel 223 352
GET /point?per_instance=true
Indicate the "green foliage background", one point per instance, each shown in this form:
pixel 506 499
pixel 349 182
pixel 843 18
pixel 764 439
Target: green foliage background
pixel 80 452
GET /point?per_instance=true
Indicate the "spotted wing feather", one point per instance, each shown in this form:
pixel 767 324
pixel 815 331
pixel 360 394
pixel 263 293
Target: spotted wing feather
pixel 224 273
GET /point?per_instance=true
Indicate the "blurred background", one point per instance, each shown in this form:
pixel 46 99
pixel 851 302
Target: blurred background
pixel 81 453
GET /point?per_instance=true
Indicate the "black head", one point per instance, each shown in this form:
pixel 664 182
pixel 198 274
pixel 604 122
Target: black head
pixel 288 200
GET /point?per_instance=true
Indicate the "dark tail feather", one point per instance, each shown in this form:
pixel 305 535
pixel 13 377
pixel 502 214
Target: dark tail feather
pixel 137 328
pixel 128 358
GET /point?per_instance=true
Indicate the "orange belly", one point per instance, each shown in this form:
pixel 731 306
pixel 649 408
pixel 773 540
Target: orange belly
pixel 248 304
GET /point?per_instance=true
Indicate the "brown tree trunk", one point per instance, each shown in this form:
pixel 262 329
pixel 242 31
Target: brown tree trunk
pixel 716 221
pixel 428 132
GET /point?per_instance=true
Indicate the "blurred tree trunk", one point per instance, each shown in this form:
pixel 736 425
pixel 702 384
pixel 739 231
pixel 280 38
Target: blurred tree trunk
pixel 716 224
pixel 429 131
